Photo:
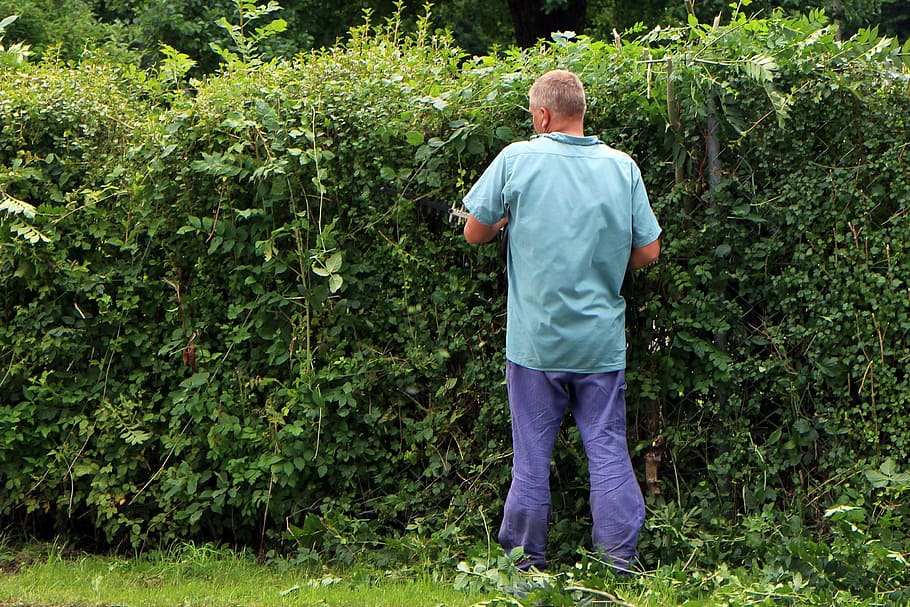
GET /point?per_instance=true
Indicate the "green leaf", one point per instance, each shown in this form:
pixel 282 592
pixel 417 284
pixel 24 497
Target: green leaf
pixel 7 21
pixel 268 249
pixel 877 479
pixel 845 512
pixel 334 262
pixel 14 206
pixel 135 437
pixel 760 68
pixel 505 133
pixel 196 380
pixel 29 233
pixel 275 27
pixel 414 138
pixel 887 475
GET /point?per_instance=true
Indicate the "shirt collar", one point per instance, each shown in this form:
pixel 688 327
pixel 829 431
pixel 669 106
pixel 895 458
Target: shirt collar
pixel 570 139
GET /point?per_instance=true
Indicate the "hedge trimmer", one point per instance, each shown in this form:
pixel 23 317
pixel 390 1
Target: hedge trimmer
pixel 458 213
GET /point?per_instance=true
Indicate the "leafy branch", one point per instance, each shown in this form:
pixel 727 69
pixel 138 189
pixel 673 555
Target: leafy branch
pixel 17 209
pixel 17 53
pixel 247 41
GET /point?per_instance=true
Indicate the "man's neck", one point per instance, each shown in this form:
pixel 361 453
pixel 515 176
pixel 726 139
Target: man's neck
pixel 568 127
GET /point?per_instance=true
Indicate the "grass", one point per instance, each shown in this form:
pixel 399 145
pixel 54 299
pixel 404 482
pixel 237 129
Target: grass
pixel 206 576
pixel 190 576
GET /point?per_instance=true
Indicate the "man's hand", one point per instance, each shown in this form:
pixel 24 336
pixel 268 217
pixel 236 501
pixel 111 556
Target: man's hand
pixel 479 233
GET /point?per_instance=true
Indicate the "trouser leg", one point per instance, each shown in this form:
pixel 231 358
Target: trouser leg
pixel 617 505
pixel 538 403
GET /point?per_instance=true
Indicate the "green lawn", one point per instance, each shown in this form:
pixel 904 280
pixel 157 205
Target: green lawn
pixel 209 578
pixel 189 576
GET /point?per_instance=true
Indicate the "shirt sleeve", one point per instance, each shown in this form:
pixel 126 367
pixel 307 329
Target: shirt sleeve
pixel 645 228
pixel 486 200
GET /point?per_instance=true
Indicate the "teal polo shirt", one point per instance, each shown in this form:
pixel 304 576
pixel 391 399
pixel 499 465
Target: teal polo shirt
pixel 576 209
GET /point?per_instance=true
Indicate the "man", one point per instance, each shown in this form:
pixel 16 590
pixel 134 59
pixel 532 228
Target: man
pixel 578 218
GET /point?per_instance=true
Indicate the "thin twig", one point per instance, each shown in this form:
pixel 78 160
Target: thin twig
pixel 160 468
pixel 69 471
pixel 600 593
pixel 8 369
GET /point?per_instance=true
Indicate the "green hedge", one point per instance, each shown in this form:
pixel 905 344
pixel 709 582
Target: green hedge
pixel 250 322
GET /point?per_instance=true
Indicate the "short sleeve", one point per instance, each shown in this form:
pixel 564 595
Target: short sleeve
pixel 486 200
pixel 645 228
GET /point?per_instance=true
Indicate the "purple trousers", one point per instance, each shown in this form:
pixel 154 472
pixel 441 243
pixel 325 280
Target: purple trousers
pixel 538 401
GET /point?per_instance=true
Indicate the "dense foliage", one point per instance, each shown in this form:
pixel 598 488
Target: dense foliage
pixel 134 30
pixel 234 308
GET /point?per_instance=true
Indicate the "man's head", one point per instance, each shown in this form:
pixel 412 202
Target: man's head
pixel 557 102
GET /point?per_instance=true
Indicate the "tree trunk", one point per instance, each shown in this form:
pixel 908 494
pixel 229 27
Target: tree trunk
pixel 532 23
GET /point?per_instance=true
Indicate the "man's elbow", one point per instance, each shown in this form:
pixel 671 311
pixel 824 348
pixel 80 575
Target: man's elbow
pixel 476 232
pixel 471 235
pixel 645 255
pixel 652 252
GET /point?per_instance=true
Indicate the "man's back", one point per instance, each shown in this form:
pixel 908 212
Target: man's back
pixel 576 208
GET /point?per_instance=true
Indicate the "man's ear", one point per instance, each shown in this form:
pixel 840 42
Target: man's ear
pixel 544 119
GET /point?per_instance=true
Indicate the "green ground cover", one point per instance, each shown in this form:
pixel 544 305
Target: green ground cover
pixel 42 575
pixel 207 576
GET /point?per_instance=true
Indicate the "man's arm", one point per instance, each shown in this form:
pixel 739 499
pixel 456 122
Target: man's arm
pixel 476 232
pixel 642 256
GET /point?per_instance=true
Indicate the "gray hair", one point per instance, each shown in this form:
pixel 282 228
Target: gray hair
pixel 561 92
